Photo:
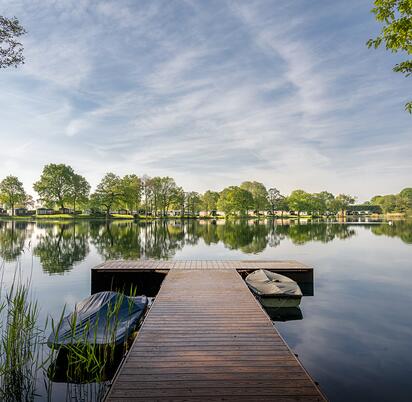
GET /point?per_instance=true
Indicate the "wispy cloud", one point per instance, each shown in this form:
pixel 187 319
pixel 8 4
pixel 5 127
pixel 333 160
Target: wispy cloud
pixel 211 93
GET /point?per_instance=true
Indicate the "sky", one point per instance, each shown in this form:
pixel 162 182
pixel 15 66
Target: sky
pixel 212 93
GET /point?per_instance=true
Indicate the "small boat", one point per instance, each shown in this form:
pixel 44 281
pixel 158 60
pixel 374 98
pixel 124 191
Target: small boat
pixel 274 290
pixel 104 318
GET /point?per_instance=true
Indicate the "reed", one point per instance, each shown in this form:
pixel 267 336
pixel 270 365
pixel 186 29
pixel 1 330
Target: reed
pixel 21 345
pixel 89 366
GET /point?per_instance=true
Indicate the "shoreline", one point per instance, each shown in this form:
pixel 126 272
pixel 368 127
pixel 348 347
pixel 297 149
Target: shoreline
pixel 61 217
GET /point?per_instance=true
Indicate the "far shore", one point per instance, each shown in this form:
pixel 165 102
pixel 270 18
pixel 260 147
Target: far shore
pixel 115 217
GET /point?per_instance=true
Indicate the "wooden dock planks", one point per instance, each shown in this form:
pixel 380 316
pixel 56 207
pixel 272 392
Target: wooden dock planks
pixel 165 265
pixel 206 338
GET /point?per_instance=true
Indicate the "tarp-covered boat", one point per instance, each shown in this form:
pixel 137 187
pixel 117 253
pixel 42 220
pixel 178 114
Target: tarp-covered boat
pixel 103 318
pixel 274 289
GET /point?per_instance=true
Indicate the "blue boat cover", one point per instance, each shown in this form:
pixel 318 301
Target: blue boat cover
pixel 96 321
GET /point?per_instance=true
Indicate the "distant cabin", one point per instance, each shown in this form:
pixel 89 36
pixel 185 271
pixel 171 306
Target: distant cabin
pixel 174 212
pixel 45 211
pixel 213 212
pixel 363 210
pixel 20 212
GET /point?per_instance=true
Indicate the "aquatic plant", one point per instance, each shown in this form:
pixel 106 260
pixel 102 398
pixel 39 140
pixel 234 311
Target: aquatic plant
pixel 20 345
pixel 86 365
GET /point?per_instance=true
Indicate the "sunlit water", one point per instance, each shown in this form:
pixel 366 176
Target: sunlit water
pixel 355 337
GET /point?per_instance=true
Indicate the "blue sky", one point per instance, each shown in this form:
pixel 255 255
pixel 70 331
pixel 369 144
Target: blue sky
pixel 209 92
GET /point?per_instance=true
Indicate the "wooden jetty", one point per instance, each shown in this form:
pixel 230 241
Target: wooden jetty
pixel 206 338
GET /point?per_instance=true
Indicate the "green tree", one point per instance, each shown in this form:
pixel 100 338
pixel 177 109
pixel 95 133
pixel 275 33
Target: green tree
pixel 179 200
pixel 235 200
pixel 273 199
pixel 405 199
pixel 55 184
pixel 299 201
pixel 108 193
pixel 12 192
pixel 396 33
pixel 209 200
pixel 389 203
pixel 194 202
pixel 322 202
pixel 166 190
pixel 79 190
pixel 259 194
pixel 131 187
pixel 282 204
pixel 146 194
pixel 342 201
pixel 11 50
pixel 155 187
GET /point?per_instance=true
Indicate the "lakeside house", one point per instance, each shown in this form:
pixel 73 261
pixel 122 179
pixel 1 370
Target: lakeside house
pixel 363 210
pixel 45 211
pixel 20 212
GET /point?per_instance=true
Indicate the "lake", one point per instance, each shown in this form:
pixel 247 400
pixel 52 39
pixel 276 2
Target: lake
pixel 355 334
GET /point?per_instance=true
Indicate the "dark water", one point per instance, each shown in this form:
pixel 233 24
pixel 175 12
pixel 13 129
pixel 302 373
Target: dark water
pixel 355 337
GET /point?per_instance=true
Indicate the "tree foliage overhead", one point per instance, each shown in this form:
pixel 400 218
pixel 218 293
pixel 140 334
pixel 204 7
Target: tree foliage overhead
pixel 11 50
pixel 396 33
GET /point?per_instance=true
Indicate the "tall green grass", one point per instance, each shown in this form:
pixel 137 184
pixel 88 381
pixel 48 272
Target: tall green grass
pixel 87 367
pixel 20 344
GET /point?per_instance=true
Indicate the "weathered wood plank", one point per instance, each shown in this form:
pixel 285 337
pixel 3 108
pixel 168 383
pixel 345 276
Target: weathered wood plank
pixel 206 338
pixel 128 265
pixel 225 398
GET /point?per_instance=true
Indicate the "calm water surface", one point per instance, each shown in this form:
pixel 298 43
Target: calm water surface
pixel 355 338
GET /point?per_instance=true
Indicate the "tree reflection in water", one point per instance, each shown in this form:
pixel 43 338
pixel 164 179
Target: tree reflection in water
pixel 13 236
pixel 401 229
pixel 60 245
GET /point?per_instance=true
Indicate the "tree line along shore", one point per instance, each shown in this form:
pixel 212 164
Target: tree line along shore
pixel 63 193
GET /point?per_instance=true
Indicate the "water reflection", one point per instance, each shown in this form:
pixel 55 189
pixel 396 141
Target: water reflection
pixel 401 229
pixel 284 313
pixel 60 245
pixel 348 318
pixel 13 236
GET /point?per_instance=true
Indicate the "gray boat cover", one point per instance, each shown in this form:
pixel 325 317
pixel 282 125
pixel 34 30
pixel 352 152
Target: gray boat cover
pixel 93 320
pixel 269 284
